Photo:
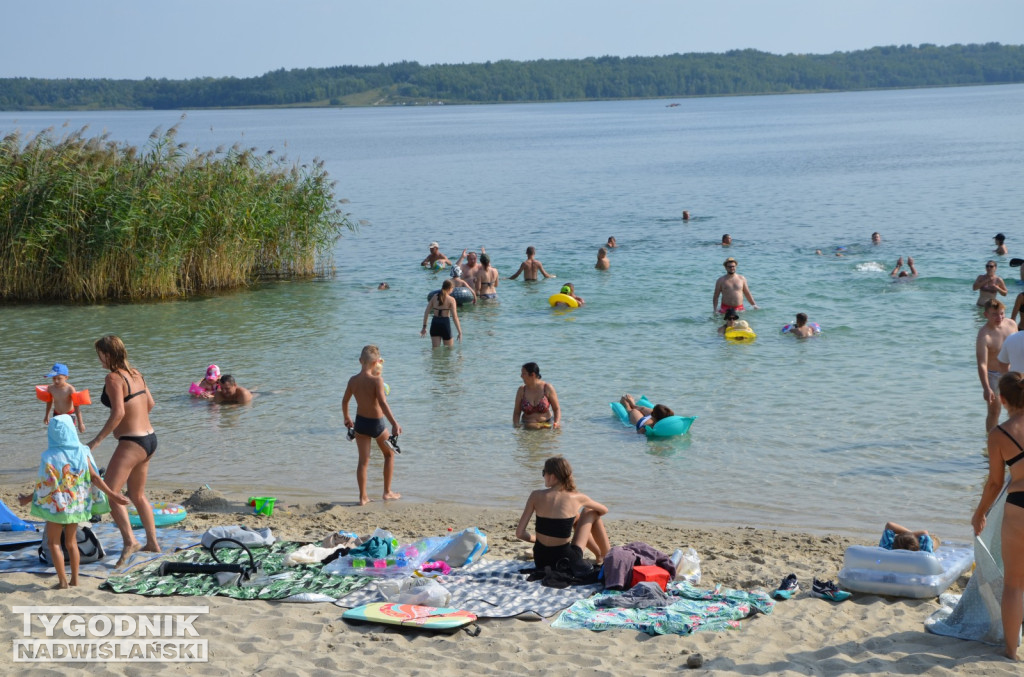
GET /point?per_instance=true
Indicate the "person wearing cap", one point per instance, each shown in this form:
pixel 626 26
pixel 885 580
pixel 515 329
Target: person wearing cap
pixel 434 257
pixel 569 290
pixel 209 385
pixel 989 284
pixel 728 321
pixel 60 396
pixel 732 288
pixel 1000 246
pixel 458 276
pixel 530 267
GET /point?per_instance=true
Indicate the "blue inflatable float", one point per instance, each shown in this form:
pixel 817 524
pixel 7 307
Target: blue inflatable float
pixel 666 427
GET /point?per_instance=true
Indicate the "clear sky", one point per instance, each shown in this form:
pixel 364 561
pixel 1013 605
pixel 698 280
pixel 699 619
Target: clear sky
pixel 194 38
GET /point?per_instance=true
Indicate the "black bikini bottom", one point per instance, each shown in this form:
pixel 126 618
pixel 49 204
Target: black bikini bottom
pixel 1015 498
pixel 147 442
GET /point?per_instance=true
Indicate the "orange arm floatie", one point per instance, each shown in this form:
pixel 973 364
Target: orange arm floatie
pixel 43 394
pixel 81 397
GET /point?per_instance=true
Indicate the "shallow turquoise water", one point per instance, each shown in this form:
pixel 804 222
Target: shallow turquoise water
pixel 878 418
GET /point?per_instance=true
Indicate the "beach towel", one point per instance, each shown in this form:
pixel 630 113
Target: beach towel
pixel 27 558
pixel 692 610
pixel 977 614
pixel 305 583
pixel 492 589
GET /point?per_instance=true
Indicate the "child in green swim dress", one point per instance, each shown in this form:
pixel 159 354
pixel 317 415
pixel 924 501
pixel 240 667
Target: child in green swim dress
pixel 64 494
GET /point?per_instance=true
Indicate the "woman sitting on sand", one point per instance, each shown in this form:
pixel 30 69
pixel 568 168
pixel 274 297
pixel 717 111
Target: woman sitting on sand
pixel 567 521
pixel 536 401
pixel 641 417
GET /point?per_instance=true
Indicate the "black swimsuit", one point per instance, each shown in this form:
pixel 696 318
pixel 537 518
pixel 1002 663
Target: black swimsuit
pixel 1014 497
pixel 147 442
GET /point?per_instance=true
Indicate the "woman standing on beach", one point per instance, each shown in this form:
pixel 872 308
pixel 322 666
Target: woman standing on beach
pixel 1004 446
pixel 129 400
pixel 561 511
pixel 536 401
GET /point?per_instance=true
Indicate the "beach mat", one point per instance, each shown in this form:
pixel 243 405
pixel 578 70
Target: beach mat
pixel 493 589
pixel 304 583
pixel 693 610
pixel 26 559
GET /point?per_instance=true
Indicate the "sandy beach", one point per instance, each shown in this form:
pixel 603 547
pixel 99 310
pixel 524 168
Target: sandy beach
pixel 866 635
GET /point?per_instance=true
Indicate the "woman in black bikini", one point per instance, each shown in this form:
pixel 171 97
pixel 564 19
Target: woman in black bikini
pixel 560 510
pixel 1004 447
pixel 536 401
pixel 129 400
pixel 442 305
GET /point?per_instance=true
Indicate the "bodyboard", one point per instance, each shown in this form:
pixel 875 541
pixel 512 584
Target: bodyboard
pixel 411 616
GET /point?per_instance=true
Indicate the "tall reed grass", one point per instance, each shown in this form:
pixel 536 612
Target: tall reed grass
pixel 88 219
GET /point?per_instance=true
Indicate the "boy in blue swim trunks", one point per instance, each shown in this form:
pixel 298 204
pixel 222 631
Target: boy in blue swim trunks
pixel 371 409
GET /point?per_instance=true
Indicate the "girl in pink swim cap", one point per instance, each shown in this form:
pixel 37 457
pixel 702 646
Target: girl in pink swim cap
pixel 209 385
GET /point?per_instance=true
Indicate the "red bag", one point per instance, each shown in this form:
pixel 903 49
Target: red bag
pixel 650 573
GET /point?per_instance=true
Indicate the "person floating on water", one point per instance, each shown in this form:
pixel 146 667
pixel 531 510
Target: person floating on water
pixel 435 258
pixel 728 321
pixel 569 290
pixel 899 274
pixel 801 329
pixel 383 286
pixel 230 392
pixel 989 284
pixel 641 417
pixel 371 409
pixel 732 288
pixel 1000 244
pixel 530 267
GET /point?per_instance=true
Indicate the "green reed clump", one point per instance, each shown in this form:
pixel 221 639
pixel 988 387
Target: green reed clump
pixel 87 219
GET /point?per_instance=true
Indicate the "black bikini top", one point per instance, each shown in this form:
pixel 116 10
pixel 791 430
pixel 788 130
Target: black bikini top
pixel 105 401
pixel 1018 456
pixel 555 527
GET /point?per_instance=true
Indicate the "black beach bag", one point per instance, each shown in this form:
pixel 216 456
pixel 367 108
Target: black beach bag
pixel 89 548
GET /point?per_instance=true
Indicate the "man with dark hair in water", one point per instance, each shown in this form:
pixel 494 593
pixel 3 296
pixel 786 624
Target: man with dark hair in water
pixel 230 392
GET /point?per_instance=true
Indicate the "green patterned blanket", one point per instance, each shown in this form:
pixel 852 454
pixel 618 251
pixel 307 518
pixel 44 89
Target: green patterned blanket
pixel 692 609
pixel 305 583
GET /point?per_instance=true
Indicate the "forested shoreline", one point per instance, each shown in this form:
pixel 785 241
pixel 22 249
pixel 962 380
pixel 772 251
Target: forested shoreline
pixel 737 72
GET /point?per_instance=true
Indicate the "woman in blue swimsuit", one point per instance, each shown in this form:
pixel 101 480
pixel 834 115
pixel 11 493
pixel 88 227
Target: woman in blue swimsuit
pixel 1004 447
pixel 561 511
pixel 129 400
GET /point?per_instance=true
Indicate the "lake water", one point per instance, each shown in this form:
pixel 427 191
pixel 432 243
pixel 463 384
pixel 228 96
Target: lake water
pixel 880 417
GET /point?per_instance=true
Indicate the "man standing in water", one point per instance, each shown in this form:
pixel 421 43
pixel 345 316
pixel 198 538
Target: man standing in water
pixel 471 268
pixel 732 287
pixel 991 336
pixel 989 284
pixel 530 267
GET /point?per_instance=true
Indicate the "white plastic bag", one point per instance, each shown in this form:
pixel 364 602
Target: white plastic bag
pixel 687 564
pixel 420 591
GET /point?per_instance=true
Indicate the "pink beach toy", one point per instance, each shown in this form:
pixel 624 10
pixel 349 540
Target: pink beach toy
pixel 197 390
pixel 440 567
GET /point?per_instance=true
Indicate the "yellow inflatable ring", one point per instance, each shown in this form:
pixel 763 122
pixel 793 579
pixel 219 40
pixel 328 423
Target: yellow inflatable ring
pixel 739 334
pixel 563 298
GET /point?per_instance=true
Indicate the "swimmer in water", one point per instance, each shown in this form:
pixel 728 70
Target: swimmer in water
pixel 383 286
pixel 611 244
pixel 602 259
pixel 989 284
pixel 1000 246
pixel 801 330
pixel 686 215
pixel 898 274
pixel 729 321
pixel 876 238
pixel 726 240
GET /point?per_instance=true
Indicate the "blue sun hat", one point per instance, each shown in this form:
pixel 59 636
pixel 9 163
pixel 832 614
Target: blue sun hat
pixel 456 271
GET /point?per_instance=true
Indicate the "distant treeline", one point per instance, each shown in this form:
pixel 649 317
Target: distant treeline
pixel 701 74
